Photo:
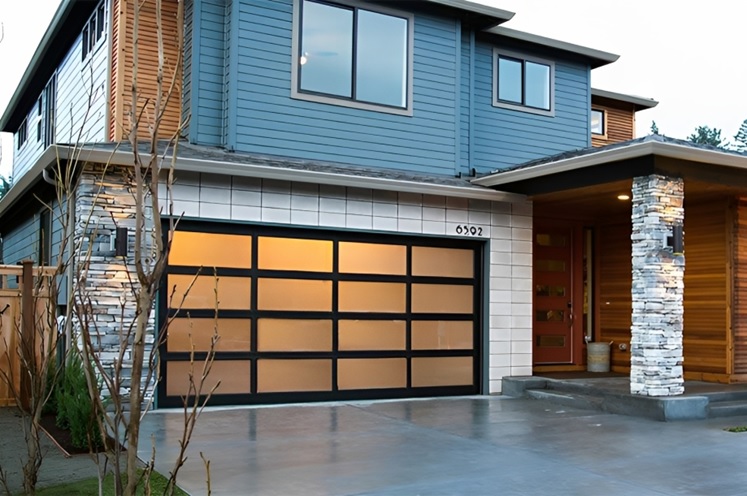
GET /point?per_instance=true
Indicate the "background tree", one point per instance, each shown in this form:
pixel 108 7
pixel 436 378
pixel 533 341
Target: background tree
pixel 705 135
pixel 4 185
pixel 740 139
pixel 654 128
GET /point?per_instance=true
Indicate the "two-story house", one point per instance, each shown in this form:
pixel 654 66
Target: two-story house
pixel 383 189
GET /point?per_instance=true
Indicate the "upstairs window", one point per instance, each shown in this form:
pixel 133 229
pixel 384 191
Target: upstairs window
pixel 22 134
pixel 597 122
pixel 523 83
pixel 93 31
pixel 353 56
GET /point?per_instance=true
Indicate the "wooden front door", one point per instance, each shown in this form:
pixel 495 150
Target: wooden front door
pixel 557 310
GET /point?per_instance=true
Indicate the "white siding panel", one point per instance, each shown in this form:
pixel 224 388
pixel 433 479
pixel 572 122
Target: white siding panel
pixel 81 95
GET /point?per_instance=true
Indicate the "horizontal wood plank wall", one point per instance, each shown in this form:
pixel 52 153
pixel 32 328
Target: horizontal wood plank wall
pixel 614 271
pixel 619 124
pixel 147 67
pixel 740 290
pixel 706 292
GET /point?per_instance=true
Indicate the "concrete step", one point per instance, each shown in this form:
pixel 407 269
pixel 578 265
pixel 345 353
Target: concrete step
pixel 727 409
pixel 572 400
pixel 726 396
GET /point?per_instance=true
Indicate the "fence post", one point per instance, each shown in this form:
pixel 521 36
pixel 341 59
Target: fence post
pixel 28 362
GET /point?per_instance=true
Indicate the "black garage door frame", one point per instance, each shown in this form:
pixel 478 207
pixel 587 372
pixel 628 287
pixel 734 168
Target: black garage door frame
pixel 477 282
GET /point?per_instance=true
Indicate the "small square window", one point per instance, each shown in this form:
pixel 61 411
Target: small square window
pixel 597 122
pixel 523 83
pixel 353 56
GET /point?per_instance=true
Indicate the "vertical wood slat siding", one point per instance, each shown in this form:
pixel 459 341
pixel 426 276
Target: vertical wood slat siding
pixel 706 296
pixel 505 137
pixel 187 63
pixel 614 305
pixel 115 83
pixel 740 289
pixel 147 67
pixel 619 123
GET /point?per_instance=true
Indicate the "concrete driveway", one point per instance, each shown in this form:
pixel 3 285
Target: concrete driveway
pixel 475 446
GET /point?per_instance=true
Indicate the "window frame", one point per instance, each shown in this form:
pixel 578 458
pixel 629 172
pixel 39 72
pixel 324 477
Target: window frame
pixel 603 112
pixel 22 134
pixel 298 94
pixel 91 40
pixel 523 58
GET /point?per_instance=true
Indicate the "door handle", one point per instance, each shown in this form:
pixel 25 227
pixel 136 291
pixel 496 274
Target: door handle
pixel 570 314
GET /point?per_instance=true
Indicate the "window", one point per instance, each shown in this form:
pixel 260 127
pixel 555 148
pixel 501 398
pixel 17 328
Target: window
pixel 93 31
pixel 523 83
pixel 45 237
pixel 22 133
pixel 597 122
pixel 353 56
pixel 39 120
pixel 50 94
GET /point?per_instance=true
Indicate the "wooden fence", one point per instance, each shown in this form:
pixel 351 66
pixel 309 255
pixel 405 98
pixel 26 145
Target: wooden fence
pixel 21 311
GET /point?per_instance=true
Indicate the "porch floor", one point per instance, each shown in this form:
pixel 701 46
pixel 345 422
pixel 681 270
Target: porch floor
pixel 611 393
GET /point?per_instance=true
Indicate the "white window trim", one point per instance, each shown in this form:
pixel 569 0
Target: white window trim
pixel 297 94
pixel 515 106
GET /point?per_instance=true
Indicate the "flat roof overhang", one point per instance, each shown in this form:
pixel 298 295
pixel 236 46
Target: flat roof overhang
pixel 622 162
pixel 638 102
pixel 61 154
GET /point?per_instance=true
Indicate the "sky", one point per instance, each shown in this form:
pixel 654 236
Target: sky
pixel 687 54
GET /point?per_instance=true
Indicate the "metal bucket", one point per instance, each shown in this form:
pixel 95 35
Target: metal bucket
pixel 598 357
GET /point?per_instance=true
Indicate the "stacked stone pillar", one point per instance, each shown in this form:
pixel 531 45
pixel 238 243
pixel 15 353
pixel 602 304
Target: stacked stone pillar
pixel 657 289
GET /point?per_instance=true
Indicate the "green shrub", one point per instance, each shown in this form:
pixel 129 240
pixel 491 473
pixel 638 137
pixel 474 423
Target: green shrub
pixel 74 405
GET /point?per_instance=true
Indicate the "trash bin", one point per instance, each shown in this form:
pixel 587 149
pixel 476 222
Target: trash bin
pixel 598 357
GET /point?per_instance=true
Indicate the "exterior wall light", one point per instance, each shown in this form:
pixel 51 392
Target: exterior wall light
pixel 676 240
pixel 623 197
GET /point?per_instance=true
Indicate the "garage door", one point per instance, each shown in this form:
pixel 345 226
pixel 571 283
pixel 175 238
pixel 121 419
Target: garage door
pixel 312 315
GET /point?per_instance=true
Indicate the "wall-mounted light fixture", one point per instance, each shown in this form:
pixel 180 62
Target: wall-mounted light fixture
pixel 623 197
pixel 120 242
pixel 676 240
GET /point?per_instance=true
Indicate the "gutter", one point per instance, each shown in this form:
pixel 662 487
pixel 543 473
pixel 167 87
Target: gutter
pixel 124 158
pixel 669 150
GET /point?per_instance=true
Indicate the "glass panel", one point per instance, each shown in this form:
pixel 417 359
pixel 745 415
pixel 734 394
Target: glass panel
pixel 294 254
pixel 276 376
pixel 294 294
pixel 211 250
pixel 294 335
pixel 551 341
pixel 597 122
pixel 549 315
pixel 441 298
pixel 537 91
pixel 444 262
pixel 509 80
pixel 234 377
pixel 442 371
pixel 234 293
pixel 544 290
pixel 235 334
pixel 381 59
pixel 442 335
pixel 371 373
pixel 326 61
pixel 371 297
pixel 557 240
pixel 372 335
pixel 371 258
pixel 549 265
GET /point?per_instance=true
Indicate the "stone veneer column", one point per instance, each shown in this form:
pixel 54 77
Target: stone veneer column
pixel 657 289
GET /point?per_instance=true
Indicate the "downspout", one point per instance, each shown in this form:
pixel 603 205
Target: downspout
pixel 458 100
pixel 471 132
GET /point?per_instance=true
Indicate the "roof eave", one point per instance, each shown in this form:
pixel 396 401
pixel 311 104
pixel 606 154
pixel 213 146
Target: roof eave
pixel 596 58
pixel 499 16
pixel 636 150
pixel 639 102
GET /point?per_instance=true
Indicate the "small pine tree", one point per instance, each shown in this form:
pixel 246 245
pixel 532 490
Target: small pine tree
pixel 654 128
pixel 740 139
pixel 705 135
pixel 4 186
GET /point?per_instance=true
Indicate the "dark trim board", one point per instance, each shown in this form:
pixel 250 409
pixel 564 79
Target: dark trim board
pixel 253 355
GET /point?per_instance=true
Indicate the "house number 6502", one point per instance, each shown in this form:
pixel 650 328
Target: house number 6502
pixel 468 230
